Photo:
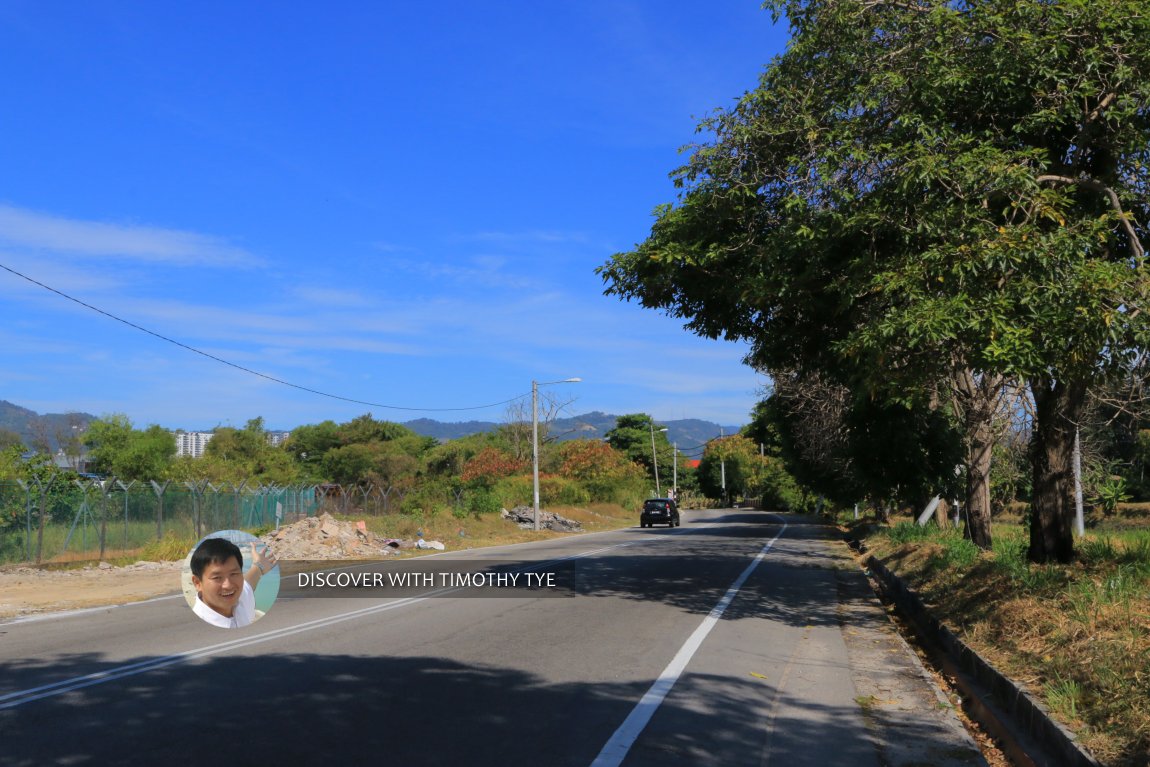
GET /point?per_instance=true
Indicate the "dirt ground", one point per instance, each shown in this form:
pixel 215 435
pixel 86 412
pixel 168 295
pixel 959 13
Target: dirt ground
pixel 29 590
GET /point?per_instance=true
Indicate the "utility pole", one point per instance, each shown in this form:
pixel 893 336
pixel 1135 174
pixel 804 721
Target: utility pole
pixel 723 468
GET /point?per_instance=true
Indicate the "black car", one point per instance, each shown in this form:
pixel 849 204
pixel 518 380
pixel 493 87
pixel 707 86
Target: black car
pixel 659 510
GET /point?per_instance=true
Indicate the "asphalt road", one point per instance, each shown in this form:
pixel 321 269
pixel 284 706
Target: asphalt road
pixel 740 638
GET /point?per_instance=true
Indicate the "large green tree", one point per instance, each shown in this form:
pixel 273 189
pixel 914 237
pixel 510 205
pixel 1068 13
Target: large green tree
pixel 359 451
pixel 928 196
pixel 118 449
pixel 639 438
pixel 237 455
pixel 9 438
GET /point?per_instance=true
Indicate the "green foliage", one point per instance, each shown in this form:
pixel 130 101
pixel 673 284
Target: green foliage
pixel 1009 475
pixel 749 473
pixel 10 439
pixel 117 449
pixel 360 451
pixel 516 491
pixel 563 492
pixel 12 463
pixel 919 186
pixel 427 500
pixel 1110 491
pixel 311 442
pixel 633 436
pixel 239 455
pixel 908 532
pixel 519 491
pixel 1010 557
pixel 483 501
pixel 1065 696
pixel 904 451
pixel 817 457
pixel 957 552
pixel 350 464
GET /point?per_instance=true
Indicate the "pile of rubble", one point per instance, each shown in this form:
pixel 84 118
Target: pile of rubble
pixel 325 537
pixel 524 516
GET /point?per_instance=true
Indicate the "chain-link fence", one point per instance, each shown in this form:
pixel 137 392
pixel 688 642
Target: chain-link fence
pixel 74 519
pixel 64 520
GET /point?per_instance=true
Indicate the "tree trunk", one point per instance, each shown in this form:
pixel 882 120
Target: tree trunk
pixel 942 515
pixel 978 400
pixel 1058 407
pixel 979 447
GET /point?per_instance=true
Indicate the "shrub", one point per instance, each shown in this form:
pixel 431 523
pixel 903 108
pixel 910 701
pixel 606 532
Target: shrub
pixel 481 502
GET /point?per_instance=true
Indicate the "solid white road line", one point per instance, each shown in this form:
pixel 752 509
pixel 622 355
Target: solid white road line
pixel 617 748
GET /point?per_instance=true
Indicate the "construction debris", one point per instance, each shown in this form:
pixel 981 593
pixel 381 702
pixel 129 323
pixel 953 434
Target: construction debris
pixel 524 516
pixel 325 537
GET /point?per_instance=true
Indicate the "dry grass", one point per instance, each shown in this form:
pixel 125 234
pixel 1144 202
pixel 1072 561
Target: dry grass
pixel 490 530
pixel 1078 636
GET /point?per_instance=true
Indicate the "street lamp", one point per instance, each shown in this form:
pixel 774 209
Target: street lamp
pixel 654 460
pixel 535 439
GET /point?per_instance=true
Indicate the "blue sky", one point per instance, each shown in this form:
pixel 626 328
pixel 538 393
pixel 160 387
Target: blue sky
pixel 397 203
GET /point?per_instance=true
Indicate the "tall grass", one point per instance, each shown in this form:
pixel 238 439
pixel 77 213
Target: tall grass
pixel 1078 632
pixel 957 551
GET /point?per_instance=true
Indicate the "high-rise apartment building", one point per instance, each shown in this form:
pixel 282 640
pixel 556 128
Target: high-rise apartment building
pixel 192 442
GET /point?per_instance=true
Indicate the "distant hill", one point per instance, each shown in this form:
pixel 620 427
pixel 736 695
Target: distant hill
pixel 33 427
pixel 687 433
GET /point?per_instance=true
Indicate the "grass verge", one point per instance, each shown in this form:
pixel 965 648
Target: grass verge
pixel 1077 635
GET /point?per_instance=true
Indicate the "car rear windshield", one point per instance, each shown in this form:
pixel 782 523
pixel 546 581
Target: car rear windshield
pixel 654 505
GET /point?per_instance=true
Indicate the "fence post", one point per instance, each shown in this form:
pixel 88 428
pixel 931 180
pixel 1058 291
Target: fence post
pixel 215 513
pixel 196 492
pixel 125 488
pixel 27 519
pixel 43 490
pixel 105 488
pixel 268 507
pixel 159 491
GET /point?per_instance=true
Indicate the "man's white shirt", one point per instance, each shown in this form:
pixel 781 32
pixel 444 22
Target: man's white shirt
pixel 243 615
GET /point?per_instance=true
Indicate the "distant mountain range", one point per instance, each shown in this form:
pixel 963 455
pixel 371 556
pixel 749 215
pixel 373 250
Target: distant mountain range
pixel 35 429
pixel 687 433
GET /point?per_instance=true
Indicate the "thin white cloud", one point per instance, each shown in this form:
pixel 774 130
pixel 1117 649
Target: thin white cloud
pixel 54 273
pixel 304 330
pixel 528 237
pixel 391 247
pixel 321 297
pixel 484 270
pixel 21 228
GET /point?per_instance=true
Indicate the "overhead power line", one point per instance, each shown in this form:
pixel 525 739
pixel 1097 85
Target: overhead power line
pixel 265 376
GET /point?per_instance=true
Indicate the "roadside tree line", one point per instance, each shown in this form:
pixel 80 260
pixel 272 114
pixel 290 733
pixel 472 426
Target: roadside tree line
pixel 927 221
pixel 478 474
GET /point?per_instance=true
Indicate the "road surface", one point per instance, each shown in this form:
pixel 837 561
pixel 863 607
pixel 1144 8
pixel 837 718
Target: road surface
pixel 740 638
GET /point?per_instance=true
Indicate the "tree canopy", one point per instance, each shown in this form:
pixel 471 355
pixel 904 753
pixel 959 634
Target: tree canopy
pixel 923 188
pixel 637 436
pixel 117 448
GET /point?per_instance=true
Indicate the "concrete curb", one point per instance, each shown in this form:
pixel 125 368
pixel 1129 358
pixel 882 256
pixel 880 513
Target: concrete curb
pixel 1023 710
